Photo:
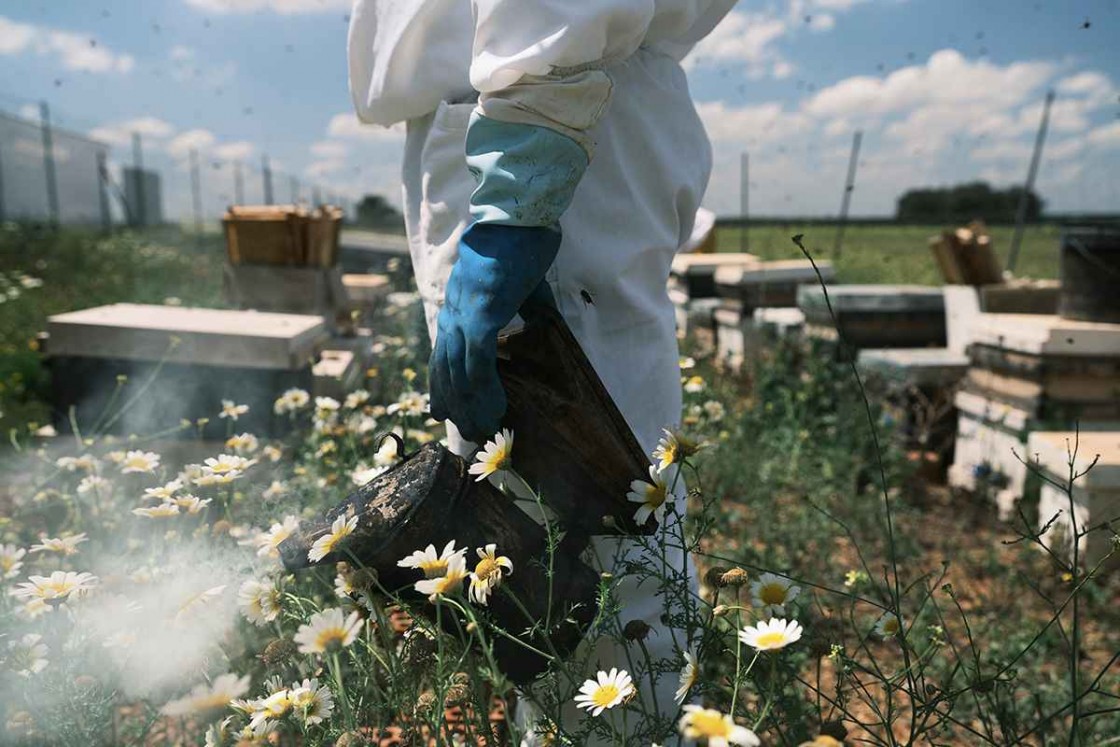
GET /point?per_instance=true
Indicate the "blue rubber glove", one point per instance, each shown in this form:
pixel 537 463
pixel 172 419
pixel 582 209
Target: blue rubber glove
pixel 526 176
pixel 499 269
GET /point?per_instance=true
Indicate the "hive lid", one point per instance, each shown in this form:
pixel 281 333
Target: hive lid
pixel 685 264
pixel 205 337
pixel 780 271
pixel 1045 334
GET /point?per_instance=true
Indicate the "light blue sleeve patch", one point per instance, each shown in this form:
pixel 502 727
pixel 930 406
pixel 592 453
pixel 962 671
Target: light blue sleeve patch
pixel 526 174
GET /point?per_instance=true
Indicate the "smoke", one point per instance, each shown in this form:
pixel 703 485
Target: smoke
pixel 161 627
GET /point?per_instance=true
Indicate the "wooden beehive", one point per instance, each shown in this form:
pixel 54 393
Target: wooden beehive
pixel 282 235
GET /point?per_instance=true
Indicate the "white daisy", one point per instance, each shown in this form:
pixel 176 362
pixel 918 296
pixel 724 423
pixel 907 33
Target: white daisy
pixel 85 463
pixel 198 600
pixel 889 625
pixel 268 542
pixel 312 702
pixel 232 410
pixel 495 459
pixel 694 385
pixel 11 561
pixel 162 511
pixel 363 474
pixel 356 399
pixel 432 564
pixel 243 443
pixel 655 494
pixel 326 629
pixel 714 728
pixel 94 484
pixel 139 461
pixel 27 655
pixel 276 489
pixel 771 635
pixel 690 673
pixel 446 584
pixel 291 401
pixel 192 504
pixel 208 699
pixel 386 455
pixel 58 587
pixel 607 691
pixel 488 573
pixel 64 545
pixel 771 593
pixel 269 709
pixel 325 545
pixel 164 492
pixel 412 404
pixel 226 463
pixel 259 601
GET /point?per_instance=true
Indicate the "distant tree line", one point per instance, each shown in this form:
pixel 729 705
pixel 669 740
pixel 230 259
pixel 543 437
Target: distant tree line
pixel 375 212
pixel 965 202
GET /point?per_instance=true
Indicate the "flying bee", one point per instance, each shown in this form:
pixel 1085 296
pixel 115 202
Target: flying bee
pixel 587 297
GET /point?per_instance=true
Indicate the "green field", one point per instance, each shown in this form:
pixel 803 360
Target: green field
pixel 885 253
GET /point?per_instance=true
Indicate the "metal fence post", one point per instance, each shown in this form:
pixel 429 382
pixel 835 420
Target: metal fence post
pixel 196 191
pixel 48 161
pixel 849 187
pixel 744 202
pixel 3 212
pixel 139 185
pixel 266 174
pixel 293 184
pixel 102 193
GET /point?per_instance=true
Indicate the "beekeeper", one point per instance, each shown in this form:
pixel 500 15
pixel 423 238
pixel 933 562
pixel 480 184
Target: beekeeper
pixel 552 151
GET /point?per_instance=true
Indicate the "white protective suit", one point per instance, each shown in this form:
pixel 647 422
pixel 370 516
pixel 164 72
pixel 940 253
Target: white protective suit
pixel 425 62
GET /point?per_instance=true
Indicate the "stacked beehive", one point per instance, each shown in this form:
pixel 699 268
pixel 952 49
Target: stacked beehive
pixel 692 289
pixel 875 316
pixel 749 294
pixel 1030 372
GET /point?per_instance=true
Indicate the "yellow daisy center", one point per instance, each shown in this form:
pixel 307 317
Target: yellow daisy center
pixel 710 724
pixel 433 568
pixel 448 583
pixel 772 594
pixel 770 639
pixel 328 636
pixel 499 460
pixel 655 495
pixel 604 695
pixel 891 625
pixel 486 568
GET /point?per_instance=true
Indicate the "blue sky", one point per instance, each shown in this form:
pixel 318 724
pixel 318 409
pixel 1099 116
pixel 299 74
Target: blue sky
pixel 944 91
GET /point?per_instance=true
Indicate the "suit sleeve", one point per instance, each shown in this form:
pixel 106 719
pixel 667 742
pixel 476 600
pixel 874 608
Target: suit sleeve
pixel 540 69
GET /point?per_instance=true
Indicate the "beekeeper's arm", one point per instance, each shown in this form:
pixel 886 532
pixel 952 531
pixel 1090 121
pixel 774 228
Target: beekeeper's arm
pixel 539 68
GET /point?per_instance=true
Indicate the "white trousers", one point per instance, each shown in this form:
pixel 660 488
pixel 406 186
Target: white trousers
pixel 631 212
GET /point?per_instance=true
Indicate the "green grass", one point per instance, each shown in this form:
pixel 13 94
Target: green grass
pixel 889 253
pixel 80 269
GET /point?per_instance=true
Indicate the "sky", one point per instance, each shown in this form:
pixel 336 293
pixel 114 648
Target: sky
pixel 944 92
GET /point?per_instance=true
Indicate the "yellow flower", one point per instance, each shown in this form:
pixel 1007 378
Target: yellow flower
pixel 674 447
pixel 690 673
pixel 488 573
pixel 655 494
pixel 327 629
pixel 496 458
pixel 772 635
pixel 889 625
pixel 771 593
pixel 341 528
pixel 57 587
pixel 162 511
pixel 232 410
pixel 608 690
pixel 432 564
pixel 446 584
pixel 139 461
pixel 715 728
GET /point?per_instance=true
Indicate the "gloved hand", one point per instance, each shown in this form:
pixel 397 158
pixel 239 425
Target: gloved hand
pixel 500 267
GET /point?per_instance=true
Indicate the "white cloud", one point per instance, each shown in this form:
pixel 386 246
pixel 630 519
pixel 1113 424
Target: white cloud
pixel 746 38
pixel 198 139
pixel 946 120
pixel 73 51
pixel 236 151
pixel 346 126
pixel 283 7
pixel 181 53
pixel 120 133
pixel 329 149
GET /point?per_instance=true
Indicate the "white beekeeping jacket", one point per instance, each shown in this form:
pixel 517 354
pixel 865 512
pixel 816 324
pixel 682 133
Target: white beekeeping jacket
pixel 406 56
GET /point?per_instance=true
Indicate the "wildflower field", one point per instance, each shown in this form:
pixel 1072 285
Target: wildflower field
pixel 836 600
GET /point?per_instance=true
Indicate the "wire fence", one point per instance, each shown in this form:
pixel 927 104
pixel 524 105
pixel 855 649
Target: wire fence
pixel 54 174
